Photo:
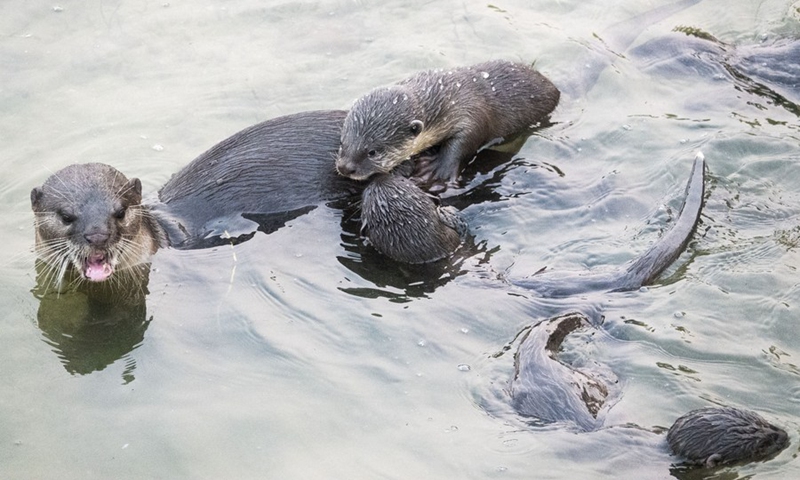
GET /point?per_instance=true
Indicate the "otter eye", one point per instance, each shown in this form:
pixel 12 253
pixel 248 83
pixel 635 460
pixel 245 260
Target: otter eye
pixel 66 218
pixel 415 127
pixel 372 153
pixel 120 214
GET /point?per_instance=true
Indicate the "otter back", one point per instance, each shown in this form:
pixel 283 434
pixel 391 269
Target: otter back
pixel 269 173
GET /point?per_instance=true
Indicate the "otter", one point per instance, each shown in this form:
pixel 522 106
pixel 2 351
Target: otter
pixel 547 390
pixel 90 222
pixel 641 271
pixel 459 110
pixel 406 224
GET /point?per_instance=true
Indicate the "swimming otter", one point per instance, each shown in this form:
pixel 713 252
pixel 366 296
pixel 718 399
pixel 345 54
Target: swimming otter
pixel 548 390
pixel 640 271
pixel 405 223
pixel 716 436
pixel 460 110
pixel 90 222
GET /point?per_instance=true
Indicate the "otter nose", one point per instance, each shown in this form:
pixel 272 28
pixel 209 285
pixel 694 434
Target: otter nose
pixel 97 239
pixel 345 169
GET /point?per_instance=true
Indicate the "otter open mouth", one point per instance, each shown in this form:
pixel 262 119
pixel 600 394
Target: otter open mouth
pixel 97 268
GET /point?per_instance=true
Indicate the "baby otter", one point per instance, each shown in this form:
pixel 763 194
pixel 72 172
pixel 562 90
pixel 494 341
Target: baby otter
pixel 460 110
pixel 405 223
pixel 90 223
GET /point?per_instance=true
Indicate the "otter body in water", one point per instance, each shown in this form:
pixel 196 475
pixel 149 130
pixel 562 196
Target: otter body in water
pixel 460 110
pixel 545 389
pixel 91 220
pixel 640 271
pixel 548 390
pixel 257 179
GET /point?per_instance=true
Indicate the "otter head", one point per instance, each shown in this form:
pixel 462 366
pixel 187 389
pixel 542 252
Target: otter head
pixel 379 133
pixel 89 221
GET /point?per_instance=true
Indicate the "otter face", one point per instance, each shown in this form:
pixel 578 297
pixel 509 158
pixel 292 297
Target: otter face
pixel 378 134
pixel 86 219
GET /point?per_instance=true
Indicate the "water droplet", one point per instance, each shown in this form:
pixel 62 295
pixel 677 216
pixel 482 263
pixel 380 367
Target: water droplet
pixel 464 367
pixel 158 148
pixel 422 343
pixel 465 330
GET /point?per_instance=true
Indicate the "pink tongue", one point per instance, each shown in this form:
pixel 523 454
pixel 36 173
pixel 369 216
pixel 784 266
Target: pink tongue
pixel 97 268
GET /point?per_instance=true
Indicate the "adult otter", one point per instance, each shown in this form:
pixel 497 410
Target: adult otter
pixel 640 271
pixel 460 110
pixel 91 221
pixel 550 391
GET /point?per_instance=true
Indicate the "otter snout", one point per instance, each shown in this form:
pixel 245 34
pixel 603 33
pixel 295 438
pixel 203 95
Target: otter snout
pixel 356 166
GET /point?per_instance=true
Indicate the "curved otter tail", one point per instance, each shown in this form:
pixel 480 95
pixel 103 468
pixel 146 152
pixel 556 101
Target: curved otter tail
pixel 642 271
pixel 654 261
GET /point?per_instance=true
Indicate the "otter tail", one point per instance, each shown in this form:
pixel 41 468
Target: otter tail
pixel 642 271
pixel 652 263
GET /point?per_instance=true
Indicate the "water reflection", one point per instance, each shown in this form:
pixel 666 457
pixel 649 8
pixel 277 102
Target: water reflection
pixel 93 325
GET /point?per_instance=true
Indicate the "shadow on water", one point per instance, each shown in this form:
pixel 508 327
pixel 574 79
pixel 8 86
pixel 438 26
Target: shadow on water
pixel 93 325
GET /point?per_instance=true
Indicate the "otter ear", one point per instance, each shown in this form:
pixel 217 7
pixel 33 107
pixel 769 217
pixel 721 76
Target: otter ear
pixel 416 127
pixel 36 197
pixel 134 190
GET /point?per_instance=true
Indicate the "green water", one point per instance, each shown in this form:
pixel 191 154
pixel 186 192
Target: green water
pixel 285 358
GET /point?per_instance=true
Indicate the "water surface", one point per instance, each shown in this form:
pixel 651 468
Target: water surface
pixel 294 355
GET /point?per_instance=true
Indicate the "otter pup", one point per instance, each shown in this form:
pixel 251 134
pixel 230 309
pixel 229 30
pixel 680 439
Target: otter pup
pixel 405 223
pixel 460 110
pixel 90 223
pixel 716 436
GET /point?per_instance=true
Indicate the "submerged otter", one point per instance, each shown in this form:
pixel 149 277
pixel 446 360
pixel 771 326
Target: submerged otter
pixel 545 389
pixel 460 110
pixel 548 390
